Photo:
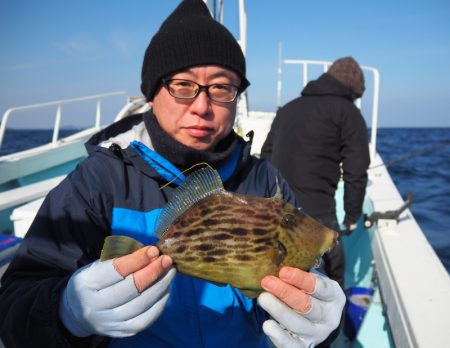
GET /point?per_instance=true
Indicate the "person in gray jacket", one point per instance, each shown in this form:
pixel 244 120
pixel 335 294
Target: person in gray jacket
pixel 310 139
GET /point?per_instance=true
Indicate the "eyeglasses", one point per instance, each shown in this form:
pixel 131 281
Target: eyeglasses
pixel 185 89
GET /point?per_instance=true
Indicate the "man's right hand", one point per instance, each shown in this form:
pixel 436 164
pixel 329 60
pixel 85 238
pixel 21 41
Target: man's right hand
pixel 119 297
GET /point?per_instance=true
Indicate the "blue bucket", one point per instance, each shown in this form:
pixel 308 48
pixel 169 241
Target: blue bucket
pixel 358 300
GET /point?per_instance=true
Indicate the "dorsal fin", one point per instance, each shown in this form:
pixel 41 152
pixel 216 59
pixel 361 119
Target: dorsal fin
pixel 277 194
pixel 200 184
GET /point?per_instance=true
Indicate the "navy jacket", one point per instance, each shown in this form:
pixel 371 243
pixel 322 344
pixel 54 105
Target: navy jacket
pixel 116 190
pixel 310 137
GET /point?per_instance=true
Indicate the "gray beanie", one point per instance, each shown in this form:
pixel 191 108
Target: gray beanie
pixel 348 72
pixel 189 37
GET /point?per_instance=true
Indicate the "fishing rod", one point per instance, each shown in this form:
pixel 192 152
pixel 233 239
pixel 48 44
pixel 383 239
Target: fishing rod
pixel 413 154
pixel 370 220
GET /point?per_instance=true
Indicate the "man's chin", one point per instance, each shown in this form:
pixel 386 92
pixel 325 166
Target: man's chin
pixel 200 144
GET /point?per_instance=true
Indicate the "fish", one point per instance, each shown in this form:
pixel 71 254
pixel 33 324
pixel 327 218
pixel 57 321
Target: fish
pixel 231 238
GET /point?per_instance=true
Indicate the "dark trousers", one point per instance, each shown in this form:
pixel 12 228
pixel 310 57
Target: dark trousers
pixel 333 261
pixel 334 264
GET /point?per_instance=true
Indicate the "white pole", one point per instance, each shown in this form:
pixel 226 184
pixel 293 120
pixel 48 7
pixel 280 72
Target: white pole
pixel 210 5
pixel 220 11
pixel 242 26
pixel 280 76
pixel 98 114
pixel 305 74
pixel 57 125
pixel 373 135
pixel 3 125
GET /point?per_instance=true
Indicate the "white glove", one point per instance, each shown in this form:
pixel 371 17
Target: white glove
pixel 98 300
pixel 290 328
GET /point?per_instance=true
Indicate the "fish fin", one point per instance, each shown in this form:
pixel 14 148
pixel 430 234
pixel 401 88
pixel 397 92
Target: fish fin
pixel 250 293
pixel 200 184
pixel 278 194
pixel 116 246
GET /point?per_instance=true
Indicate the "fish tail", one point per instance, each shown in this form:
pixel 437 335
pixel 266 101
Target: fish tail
pixel 116 246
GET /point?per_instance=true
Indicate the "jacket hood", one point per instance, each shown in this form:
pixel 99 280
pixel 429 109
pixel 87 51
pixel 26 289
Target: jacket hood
pixel 327 85
pixel 112 131
pixel 114 141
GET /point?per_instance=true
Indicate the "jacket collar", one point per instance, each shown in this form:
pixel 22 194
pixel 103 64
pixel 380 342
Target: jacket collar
pixel 115 141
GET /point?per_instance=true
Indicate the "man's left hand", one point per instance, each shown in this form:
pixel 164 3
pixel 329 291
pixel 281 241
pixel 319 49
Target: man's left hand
pixel 305 307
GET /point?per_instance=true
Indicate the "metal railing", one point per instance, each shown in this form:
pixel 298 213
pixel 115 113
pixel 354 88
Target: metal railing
pixel 325 64
pixel 58 116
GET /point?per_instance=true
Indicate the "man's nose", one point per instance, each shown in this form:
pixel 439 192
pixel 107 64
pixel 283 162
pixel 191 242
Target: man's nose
pixel 201 103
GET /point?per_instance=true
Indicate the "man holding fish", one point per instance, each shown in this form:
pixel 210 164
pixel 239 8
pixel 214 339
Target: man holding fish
pixel 138 248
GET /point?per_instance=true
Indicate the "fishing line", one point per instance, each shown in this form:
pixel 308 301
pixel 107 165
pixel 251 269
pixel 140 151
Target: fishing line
pixel 413 154
pixel 184 171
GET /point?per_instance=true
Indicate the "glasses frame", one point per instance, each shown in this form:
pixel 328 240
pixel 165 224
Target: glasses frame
pixel 166 83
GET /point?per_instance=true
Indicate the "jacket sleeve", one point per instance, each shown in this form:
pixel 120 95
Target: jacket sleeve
pixel 355 161
pixel 67 233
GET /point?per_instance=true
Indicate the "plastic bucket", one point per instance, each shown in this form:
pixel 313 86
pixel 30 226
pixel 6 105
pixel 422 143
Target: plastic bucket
pixel 358 300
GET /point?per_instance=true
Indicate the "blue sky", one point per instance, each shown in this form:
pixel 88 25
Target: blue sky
pixel 53 49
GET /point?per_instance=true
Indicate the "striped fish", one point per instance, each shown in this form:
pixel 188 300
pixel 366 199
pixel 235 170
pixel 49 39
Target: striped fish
pixel 230 238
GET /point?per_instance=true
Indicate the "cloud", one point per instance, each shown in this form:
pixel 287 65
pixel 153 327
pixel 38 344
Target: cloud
pixel 29 65
pixel 123 43
pixel 120 42
pixel 79 46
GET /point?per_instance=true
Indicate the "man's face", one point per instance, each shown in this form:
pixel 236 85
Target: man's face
pixel 199 123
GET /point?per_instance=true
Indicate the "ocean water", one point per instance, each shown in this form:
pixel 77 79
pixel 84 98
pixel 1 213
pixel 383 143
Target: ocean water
pixel 14 139
pixel 420 163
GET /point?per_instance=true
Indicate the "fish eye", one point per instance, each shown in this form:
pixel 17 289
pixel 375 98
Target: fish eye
pixel 287 220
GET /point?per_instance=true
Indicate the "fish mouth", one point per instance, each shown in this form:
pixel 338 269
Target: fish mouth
pixel 281 255
pixel 336 241
pixel 317 263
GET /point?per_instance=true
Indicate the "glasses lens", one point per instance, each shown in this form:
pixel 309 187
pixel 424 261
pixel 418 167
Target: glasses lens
pixel 182 88
pixel 222 93
pixel 186 89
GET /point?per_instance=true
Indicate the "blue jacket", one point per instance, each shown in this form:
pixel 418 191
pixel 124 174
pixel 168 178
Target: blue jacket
pixel 116 191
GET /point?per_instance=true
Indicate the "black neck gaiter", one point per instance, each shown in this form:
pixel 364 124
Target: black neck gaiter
pixel 182 156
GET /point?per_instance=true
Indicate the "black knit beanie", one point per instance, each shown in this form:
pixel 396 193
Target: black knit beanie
pixel 187 38
pixel 348 72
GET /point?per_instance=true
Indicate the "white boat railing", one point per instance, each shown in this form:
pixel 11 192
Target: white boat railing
pixel 326 64
pixel 59 104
